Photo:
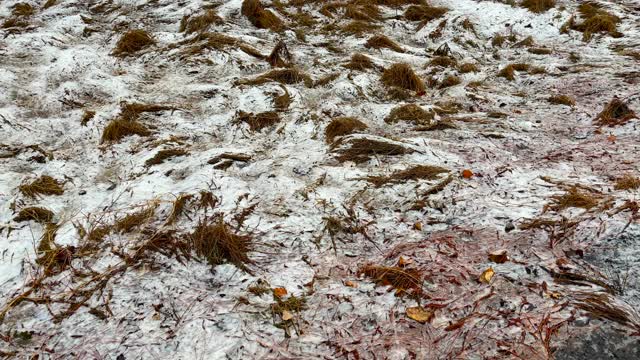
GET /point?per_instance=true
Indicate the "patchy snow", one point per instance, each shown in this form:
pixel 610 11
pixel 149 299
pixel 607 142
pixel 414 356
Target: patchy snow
pixel 113 298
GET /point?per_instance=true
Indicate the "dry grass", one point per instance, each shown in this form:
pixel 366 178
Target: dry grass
pixel 134 220
pixel 49 4
pixel 603 306
pixel 343 126
pixel 468 68
pixel 44 185
pixel 22 9
pixel 132 111
pixel 199 23
pixel 402 75
pixel 443 61
pixel 615 113
pixel 411 113
pixel 258 121
pixel 420 172
pixel 540 51
pixel 282 102
pixel 594 20
pixel 284 76
pixel 363 11
pixel 361 150
pixel 509 71
pixel 382 41
pixel 627 182
pixel 163 155
pixel 37 214
pixel 260 17
pixel 178 208
pixel 562 100
pixel 280 56
pixel 131 42
pixel 217 243
pixel 573 198
pixel 449 81
pixel 360 62
pixel 326 79
pixel 14 23
pixel 538 6
pixel 86 117
pixel 424 12
pixel 401 279
pixel 118 129
pixel 359 28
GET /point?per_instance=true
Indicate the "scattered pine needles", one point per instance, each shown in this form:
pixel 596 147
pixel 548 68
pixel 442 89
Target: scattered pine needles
pixel 424 172
pixel 615 113
pixel 217 243
pixel 45 185
pixel 37 214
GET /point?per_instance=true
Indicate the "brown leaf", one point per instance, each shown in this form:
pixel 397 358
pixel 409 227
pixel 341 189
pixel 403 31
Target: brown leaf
pixel 350 283
pixel 487 275
pixel 499 256
pixel 419 314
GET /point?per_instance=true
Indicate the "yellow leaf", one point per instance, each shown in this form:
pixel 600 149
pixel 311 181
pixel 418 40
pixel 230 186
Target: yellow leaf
pixel 418 226
pixel 286 315
pixel 487 275
pixel 419 314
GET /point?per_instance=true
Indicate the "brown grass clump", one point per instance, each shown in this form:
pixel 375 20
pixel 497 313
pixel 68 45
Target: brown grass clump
pixel 401 279
pixel 424 12
pixel 509 71
pixel 575 198
pixel 443 61
pixel 260 17
pixel 132 111
pixel 326 79
pixel 217 243
pixel 97 234
pixel 163 155
pixel 449 81
pixel 49 4
pixel 363 11
pixel 562 100
pixel 343 126
pixel 425 172
pixel 178 207
pixel 282 102
pixel 540 51
pixel 199 23
pixel 382 41
pixel 360 150
pixel 134 220
pixel 627 182
pixel 45 185
pixel 258 121
pixel 131 42
pixel 359 28
pixel 360 62
pixel 287 76
pixel 37 214
pixel 615 113
pixel 120 128
pixel 467 68
pixel 86 117
pixel 538 6
pixel 14 23
pixel 402 75
pixel 594 20
pixel 22 9
pixel 280 56
pixel 410 112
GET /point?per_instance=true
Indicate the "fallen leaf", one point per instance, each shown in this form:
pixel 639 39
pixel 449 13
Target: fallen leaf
pixel 499 256
pixel 487 275
pixel 419 314
pixel 280 292
pixel 455 326
pixel 350 284
pixel 612 138
pixel 286 315
pixel 402 262
pixel 467 174
pixel 418 226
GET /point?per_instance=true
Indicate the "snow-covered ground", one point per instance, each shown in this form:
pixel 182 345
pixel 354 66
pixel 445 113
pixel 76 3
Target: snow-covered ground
pixel 111 298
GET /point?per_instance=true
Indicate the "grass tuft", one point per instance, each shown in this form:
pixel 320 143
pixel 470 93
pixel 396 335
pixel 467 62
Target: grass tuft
pixel 199 23
pixel 37 214
pixel 343 126
pixel 538 6
pixel 360 62
pixel 118 129
pixel 562 100
pixel 86 117
pixel 424 12
pixel 402 75
pixel 359 28
pixel 627 182
pixel 131 42
pixel 280 56
pixel 45 185
pixel 411 113
pixel 22 9
pixel 450 81
pixel 217 243
pixel 615 113
pixel 401 279
pixel 573 198
pixel 134 220
pixel 443 61
pixel 382 41
pixel 360 150
pixel 258 121
pixel 284 76
pixel 260 17
pixel 425 172
pixel 163 155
